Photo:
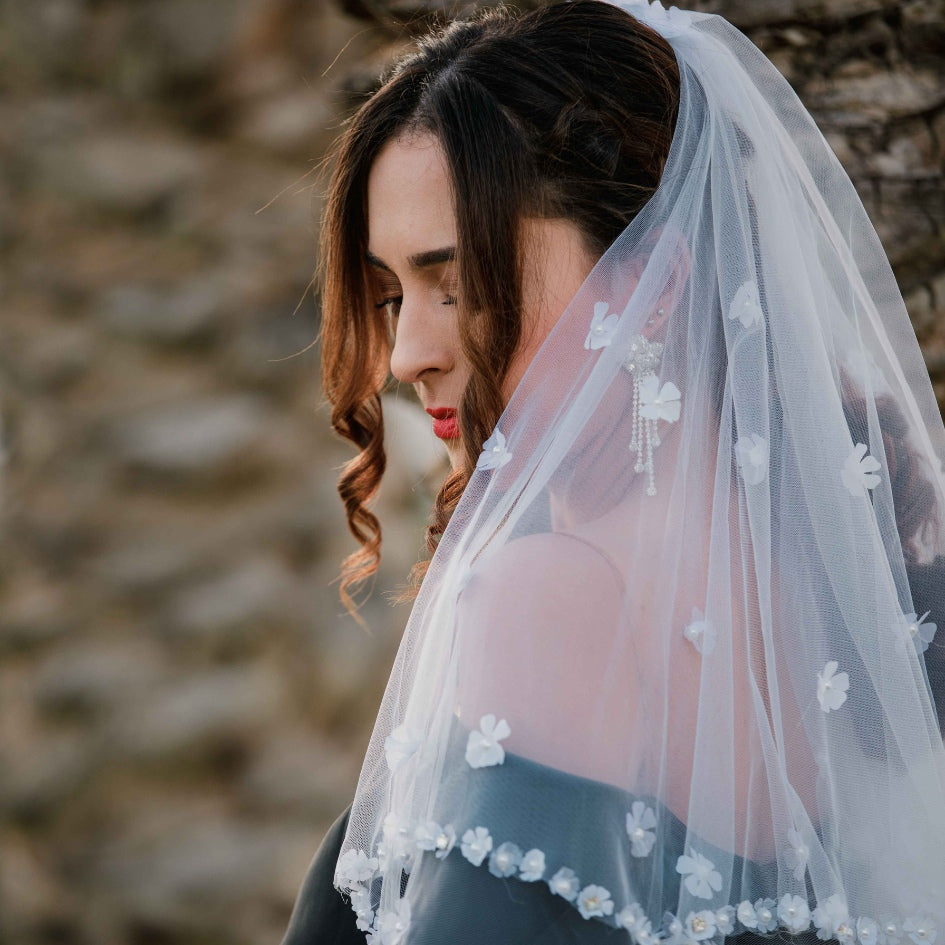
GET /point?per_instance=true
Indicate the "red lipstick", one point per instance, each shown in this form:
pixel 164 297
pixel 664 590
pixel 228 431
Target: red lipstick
pixel 445 424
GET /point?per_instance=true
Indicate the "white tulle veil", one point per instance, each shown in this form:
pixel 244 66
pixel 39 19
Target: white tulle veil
pixel 734 654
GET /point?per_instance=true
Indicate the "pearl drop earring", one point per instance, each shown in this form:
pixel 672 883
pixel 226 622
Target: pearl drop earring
pixel 642 360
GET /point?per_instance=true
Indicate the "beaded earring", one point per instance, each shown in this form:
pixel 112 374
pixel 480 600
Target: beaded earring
pixel 642 360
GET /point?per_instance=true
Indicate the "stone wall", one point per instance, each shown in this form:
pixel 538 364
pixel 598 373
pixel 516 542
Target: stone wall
pixel 183 708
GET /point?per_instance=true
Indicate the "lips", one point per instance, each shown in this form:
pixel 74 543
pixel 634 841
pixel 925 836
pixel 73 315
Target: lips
pixel 445 424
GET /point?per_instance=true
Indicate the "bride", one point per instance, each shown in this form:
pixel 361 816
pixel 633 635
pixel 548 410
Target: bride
pixel 669 672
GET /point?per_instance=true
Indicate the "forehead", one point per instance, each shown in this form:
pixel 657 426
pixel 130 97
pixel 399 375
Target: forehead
pixel 410 202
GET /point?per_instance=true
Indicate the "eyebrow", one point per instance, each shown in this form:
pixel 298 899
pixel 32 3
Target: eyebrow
pixel 432 257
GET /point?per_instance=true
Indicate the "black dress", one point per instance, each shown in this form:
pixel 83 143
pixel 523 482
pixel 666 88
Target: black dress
pixel 473 907
pixel 320 915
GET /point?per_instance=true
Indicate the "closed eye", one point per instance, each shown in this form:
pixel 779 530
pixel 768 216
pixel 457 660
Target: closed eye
pixel 392 304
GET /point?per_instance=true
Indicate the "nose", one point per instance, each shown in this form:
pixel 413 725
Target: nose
pixel 421 345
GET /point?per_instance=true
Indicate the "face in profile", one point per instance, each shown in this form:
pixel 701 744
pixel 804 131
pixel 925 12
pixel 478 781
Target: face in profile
pixel 412 241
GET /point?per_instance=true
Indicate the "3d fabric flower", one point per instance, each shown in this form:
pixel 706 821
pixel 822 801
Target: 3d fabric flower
pixel 504 860
pixel 701 633
pixel 915 630
pixel 746 306
pixel 594 901
pixel 532 867
pixel 659 403
pixel 392 926
pixel 700 925
pixel 859 471
pixel 565 884
pixel 494 453
pixel 751 452
pixel 431 836
pixel 794 913
pixel 602 329
pixel 831 916
pixel 798 854
pixel 355 868
pixel 641 821
pixel 476 845
pixel 832 687
pixel 702 878
pixel 482 747
pixel 400 745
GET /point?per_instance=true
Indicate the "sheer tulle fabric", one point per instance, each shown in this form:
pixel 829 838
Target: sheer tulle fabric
pixel 736 659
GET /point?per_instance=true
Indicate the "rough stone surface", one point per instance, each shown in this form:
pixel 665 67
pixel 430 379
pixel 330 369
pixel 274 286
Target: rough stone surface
pixel 183 709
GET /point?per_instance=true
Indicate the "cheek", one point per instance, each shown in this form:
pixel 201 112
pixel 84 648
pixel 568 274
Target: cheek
pixel 520 364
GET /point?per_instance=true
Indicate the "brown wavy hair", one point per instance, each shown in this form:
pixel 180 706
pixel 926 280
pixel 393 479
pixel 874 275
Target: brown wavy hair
pixel 532 124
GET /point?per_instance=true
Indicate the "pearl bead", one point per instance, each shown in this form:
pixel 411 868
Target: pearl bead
pixel 699 924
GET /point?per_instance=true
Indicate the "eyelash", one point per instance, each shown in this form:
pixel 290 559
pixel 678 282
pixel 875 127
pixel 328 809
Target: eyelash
pixel 398 300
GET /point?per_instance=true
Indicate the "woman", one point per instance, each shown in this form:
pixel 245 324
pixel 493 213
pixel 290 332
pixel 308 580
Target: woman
pixel 669 672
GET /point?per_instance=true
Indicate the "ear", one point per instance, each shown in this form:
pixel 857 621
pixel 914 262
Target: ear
pixel 655 325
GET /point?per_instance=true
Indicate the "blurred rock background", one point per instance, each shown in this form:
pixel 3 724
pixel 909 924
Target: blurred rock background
pixel 183 707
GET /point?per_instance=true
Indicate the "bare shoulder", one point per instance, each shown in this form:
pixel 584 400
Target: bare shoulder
pixel 553 573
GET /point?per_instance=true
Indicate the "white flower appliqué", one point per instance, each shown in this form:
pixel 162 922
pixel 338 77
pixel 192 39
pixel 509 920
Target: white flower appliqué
pixel 504 861
pixel 914 630
pixel 641 821
pixel 702 878
pixel 746 914
pixel 700 925
pixel 632 918
pixel 392 925
pixel 476 845
pixel 921 930
pixel 354 868
pixel 532 867
pixel 751 452
pixel 400 745
pixel 832 687
pixel 673 930
pixel 798 854
pixel 746 306
pixel 565 884
pixel 361 906
pixel 859 471
pixel 890 931
pixel 603 326
pixel 831 917
pixel 725 920
pixel 494 453
pixel 659 403
pixel 482 747
pixel 594 900
pixel 794 912
pixel 867 930
pixel 396 848
pixel 701 633
pixel 767 921
pixel 431 836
